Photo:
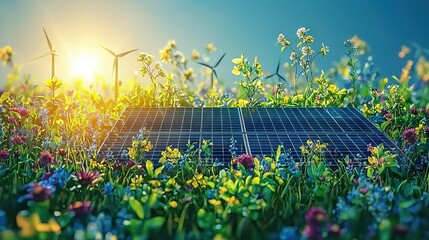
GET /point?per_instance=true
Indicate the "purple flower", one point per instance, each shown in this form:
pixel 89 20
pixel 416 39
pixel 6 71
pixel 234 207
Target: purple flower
pixel 315 216
pixel 426 129
pixel 39 193
pixel 88 178
pixel 4 154
pixel 245 160
pixel 388 116
pixel 46 159
pixel 80 208
pixel 413 111
pixel 409 136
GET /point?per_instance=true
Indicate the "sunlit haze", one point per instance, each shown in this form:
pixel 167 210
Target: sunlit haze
pixel 78 28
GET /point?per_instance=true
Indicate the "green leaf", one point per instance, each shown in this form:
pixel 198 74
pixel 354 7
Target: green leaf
pixel 155 223
pixel 149 168
pixel 159 170
pixel 4 96
pixel 137 207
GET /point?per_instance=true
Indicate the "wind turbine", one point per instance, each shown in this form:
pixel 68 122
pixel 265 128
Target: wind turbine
pixel 213 68
pixel 277 73
pixel 51 52
pixel 116 65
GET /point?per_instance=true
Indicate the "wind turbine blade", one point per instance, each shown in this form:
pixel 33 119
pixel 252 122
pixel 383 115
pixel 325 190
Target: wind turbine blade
pixel 125 53
pixel 47 39
pixel 282 78
pixel 42 56
pixel 278 67
pixel 214 71
pixel 220 59
pixel 110 51
pixel 270 76
pixel 205 65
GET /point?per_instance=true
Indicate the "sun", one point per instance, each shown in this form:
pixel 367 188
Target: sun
pixel 83 66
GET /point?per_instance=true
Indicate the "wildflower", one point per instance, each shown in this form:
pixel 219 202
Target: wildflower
pixel 170 155
pixel 62 152
pixel 87 177
pixel 293 56
pixel 4 154
pixel 413 111
pixel 171 43
pixel 22 111
pixel 188 74
pixel 315 216
pixel 130 164
pixel 409 136
pixel 195 55
pixel 388 116
pixel 282 41
pixel 108 189
pixel 300 33
pixel 309 39
pixel 39 193
pixel 324 50
pixel 306 50
pixel 80 208
pixel 46 159
pixel 136 182
pixel 173 204
pixel 211 47
pixel 18 139
pixel 246 160
pixel 215 202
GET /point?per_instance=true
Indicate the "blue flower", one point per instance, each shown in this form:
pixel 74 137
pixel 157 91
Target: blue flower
pixel 289 233
pixel 108 189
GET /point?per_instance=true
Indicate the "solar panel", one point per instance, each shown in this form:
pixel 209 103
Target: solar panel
pixel 174 127
pixel 258 131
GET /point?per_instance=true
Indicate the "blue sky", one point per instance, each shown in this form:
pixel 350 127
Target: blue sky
pixel 235 27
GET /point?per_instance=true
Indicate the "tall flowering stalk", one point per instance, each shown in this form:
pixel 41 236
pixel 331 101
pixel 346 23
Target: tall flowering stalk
pixel 303 56
pixel 251 73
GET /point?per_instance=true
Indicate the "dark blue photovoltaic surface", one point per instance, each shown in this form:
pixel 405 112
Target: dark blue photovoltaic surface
pixel 258 131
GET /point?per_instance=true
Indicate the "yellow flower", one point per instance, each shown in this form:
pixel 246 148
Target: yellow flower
pixel 173 204
pixel 215 202
pixel 378 108
pixel 286 99
pixel 136 182
pixel 304 150
pixel 211 47
pixel 333 88
pixel 232 200
pixel 309 143
pixel 373 160
pixel 223 190
pixel 155 183
pixel 171 43
pixel 195 55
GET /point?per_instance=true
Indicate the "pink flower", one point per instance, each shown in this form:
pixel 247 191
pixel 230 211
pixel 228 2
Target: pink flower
pixel 17 139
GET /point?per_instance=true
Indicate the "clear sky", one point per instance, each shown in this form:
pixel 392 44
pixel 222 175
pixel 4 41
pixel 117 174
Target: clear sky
pixel 76 27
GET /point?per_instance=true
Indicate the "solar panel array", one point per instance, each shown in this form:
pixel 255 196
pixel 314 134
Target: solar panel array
pixel 258 131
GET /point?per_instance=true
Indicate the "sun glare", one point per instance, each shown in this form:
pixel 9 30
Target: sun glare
pixel 83 66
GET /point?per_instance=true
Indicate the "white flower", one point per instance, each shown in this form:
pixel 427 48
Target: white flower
pixel 306 50
pixel 293 56
pixel 301 32
pixel 280 38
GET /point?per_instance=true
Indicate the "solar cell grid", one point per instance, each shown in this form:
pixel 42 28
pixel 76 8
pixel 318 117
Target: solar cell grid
pixel 258 131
